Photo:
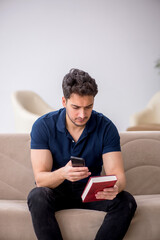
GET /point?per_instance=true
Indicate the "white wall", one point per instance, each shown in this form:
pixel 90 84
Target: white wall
pixel 117 42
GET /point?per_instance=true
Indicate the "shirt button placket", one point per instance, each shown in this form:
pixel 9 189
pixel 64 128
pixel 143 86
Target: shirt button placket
pixel 73 148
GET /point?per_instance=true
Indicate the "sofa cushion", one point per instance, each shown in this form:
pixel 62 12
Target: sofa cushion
pixel 15 221
pixel 141 151
pixel 79 224
pixel 76 224
pixel 146 219
pixel 16 175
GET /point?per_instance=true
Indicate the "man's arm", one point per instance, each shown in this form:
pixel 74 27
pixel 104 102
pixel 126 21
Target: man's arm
pixel 113 165
pixel 42 162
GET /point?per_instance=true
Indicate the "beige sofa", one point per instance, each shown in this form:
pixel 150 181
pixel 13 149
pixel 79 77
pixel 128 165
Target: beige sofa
pixel 141 153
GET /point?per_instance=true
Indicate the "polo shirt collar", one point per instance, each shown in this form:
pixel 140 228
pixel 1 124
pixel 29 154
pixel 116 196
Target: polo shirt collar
pixel 61 122
pixel 92 122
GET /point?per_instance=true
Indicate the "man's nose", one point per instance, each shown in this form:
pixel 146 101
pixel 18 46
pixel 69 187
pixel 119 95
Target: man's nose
pixel 82 113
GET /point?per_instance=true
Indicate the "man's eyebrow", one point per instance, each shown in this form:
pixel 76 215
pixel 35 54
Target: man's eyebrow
pixel 90 105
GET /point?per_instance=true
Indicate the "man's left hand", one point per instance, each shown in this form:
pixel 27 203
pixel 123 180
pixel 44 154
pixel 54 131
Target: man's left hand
pixel 107 193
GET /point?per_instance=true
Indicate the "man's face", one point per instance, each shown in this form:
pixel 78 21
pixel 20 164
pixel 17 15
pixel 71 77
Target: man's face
pixel 78 109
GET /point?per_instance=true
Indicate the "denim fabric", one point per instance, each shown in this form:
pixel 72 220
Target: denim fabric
pixel 43 202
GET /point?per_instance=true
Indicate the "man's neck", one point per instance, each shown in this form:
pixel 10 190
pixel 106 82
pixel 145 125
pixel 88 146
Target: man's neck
pixel 72 127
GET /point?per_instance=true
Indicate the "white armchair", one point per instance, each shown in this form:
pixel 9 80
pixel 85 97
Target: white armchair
pixel 148 118
pixel 27 106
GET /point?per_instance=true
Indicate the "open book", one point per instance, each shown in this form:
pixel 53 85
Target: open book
pixel 97 184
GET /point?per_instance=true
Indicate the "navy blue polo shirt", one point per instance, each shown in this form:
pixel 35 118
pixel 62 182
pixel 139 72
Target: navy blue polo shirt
pixel 99 136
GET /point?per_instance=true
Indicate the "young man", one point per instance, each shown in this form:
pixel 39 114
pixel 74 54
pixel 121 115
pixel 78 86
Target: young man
pixel 77 130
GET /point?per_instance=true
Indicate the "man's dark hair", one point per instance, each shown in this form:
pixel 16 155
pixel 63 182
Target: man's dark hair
pixel 79 82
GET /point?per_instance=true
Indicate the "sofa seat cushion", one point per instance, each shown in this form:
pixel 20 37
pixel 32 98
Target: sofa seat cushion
pixel 79 224
pixel 144 223
pixel 15 221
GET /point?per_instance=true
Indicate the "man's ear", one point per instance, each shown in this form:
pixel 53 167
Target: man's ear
pixel 64 101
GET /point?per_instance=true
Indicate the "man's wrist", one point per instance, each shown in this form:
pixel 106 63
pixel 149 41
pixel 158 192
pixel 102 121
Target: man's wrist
pixel 62 173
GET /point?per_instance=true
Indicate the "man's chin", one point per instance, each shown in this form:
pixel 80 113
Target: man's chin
pixel 80 123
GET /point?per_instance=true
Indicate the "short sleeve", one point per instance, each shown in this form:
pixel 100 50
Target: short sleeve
pixel 111 141
pixel 39 135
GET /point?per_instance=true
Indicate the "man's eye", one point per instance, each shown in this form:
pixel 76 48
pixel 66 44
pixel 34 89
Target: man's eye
pixel 89 107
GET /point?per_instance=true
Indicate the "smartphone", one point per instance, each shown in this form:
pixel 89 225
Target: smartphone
pixel 77 162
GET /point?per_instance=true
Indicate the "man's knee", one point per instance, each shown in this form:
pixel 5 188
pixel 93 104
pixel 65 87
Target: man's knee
pixel 38 197
pixel 128 201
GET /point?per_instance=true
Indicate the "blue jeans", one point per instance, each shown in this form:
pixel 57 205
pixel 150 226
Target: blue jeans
pixel 43 202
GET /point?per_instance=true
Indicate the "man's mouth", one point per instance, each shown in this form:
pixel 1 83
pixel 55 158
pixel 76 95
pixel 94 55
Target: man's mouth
pixel 81 119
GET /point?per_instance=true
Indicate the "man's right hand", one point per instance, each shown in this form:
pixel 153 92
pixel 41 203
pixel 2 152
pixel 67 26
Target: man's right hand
pixel 75 173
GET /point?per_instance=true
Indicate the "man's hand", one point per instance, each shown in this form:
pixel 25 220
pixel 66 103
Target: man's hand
pixel 113 165
pixel 108 193
pixel 75 173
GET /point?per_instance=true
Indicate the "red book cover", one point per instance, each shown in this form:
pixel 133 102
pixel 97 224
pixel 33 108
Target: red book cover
pixel 96 184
